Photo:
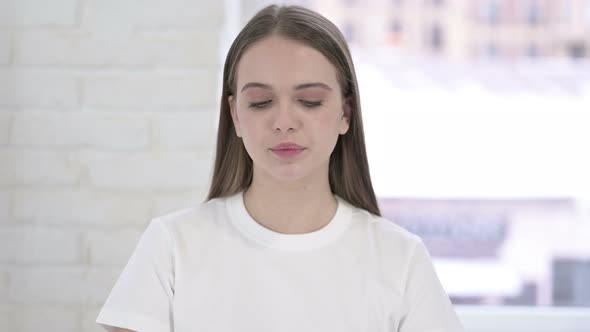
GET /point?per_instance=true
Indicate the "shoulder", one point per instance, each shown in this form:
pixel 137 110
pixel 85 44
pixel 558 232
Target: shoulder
pixel 393 246
pixel 385 232
pixel 199 217
pixel 395 251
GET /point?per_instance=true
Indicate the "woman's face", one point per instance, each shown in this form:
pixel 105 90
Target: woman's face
pixel 288 93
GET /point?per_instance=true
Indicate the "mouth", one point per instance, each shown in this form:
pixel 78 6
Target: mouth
pixel 287 153
pixel 287 146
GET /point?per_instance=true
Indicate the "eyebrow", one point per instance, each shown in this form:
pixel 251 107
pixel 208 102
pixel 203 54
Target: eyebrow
pixel 297 87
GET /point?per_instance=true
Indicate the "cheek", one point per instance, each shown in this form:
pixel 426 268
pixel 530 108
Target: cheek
pixel 247 121
pixel 330 120
pixel 326 128
pixel 250 130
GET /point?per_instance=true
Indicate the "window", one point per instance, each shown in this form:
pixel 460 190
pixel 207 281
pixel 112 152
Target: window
pixel 434 3
pixel 533 13
pixel 348 31
pixel 491 50
pixel 396 27
pixel 577 50
pixel 396 35
pixel 532 51
pixel 436 39
pixel 570 282
pixel 490 11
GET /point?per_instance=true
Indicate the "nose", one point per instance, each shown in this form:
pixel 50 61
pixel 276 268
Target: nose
pixel 285 118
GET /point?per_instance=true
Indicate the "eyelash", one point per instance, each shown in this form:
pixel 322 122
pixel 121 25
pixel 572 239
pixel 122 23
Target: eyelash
pixel 307 104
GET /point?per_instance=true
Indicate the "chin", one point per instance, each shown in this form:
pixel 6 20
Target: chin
pixel 288 176
pixel 288 173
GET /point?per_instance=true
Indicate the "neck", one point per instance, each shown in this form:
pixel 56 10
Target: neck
pixel 296 207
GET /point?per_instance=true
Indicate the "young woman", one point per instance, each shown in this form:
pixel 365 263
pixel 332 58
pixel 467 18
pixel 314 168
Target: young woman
pixel 291 237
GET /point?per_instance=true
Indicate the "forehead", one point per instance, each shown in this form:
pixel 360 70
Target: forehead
pixel 284 63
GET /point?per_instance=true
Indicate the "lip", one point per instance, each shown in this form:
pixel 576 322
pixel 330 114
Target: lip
pixel 287 149
pixel 287 146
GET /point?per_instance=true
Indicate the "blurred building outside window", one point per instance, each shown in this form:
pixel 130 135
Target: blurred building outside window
pixel 533 16
pixel 486 104
pixel 436 38
pixel 476 118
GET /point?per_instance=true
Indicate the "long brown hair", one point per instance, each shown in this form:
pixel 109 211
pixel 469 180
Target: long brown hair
pixel 349 170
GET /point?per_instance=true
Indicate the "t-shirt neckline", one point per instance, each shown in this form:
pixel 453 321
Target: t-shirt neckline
pixel 272 239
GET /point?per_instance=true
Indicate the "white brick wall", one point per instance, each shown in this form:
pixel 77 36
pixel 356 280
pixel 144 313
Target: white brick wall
pixel 5 47
pixel 147 171
pixel 171 48
pixel 95 130
pixel 108 113
pixel 85 207
pixel 100 281
pixel 185 130
pixel 48 285
pixel 168 203
pixel 24 88
pixel 38 13
pixel 22 167
pixel 150 90
pixel 100 250
pixel 6 203
pixel 89 320
pixel 5 124
pixel 46 318
pixel 3 291
pixel 5 315
pixel 40 245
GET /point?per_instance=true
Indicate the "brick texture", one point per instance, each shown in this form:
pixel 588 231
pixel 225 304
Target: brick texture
pixel 107 119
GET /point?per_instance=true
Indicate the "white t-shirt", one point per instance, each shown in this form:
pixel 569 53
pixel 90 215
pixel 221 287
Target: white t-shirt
pixel 213 268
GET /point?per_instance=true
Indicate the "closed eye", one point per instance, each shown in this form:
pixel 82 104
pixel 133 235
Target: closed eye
pixel 260 105
pixel 310 104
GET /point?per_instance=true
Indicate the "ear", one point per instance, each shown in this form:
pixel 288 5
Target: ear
pixel 345 119
pixel 234 115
